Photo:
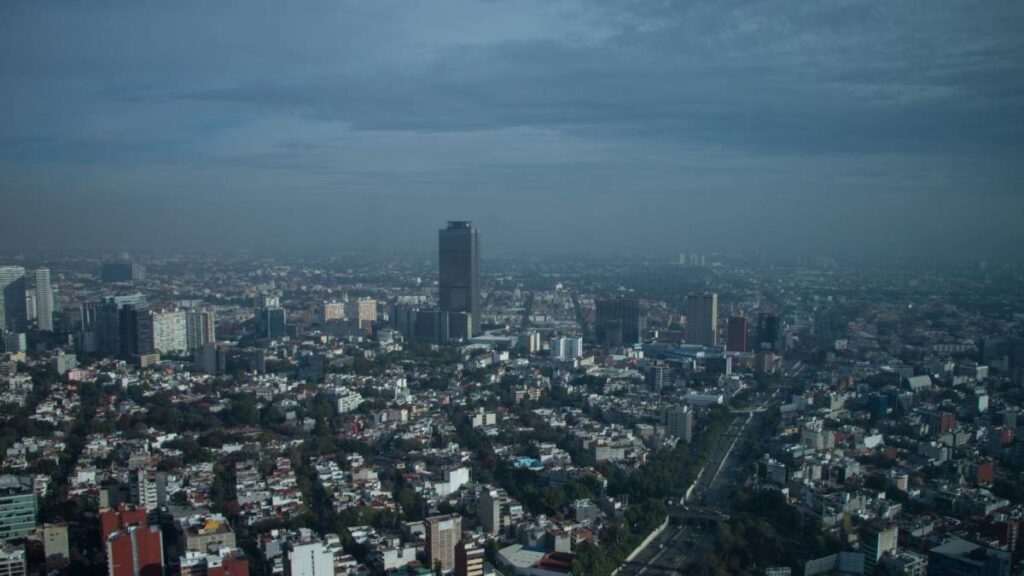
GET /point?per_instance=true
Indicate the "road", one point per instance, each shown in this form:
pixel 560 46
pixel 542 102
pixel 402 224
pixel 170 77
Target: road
pixel 692 530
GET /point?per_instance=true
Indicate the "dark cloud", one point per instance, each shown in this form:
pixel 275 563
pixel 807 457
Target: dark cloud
pixel 843 126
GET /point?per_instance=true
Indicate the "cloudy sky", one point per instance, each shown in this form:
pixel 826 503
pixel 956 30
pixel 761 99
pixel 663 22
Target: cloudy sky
pixel 821 127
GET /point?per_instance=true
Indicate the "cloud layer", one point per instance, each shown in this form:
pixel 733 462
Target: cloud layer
pixel 856 128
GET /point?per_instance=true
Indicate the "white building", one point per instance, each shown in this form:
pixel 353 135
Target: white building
pixel 44 300
pixel 170 331
pixel 312 559
pixel 347 400
pixel 566 348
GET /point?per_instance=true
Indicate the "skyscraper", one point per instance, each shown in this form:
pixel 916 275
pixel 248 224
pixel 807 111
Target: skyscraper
pixel 702 319
pixel 459 274
pixel 769 331
pixel 44 300
pixel 620 322
pixel 200 328
pixel 443 532
pixel 13 316
pixel 737 334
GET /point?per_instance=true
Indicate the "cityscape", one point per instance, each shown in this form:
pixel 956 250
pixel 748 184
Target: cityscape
pixel 229 415
pixel 512 288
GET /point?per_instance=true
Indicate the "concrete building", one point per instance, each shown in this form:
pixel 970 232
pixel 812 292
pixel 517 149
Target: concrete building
pixel 679 423
pixel 566 348
pixel 310 559
pixel 44 300
pixel 469 559
pixel 13 561
pixel 200 328
pixel 170 331
pixel 18 507
pixel 443 532
pixel 875 542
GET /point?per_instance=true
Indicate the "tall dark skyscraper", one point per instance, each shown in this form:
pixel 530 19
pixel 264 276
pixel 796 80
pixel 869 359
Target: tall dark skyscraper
pixel 459 272
pixel 769 331
pixel 13 316
pixel 620 322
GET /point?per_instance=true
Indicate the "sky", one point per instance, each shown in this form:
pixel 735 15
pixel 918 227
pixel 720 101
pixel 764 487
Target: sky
pixel 824 127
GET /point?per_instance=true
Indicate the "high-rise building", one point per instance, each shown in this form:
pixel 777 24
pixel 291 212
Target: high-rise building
pixel 329 311
pixel 875 541
pixel 170 331
pixel 737 334
pixel 490 510
pixel 459 273
pixel 679 423
pixel 620 322
pixel 272 321
pixel 443 532
pixel 364 312
pixel 18 507
pixel 658 377
pixel 200 328
pixel 135 331
pixel 702 319
pixel 769 332
pixel 44 300
pixel 469 559
pixel 566 348
pixel 13 310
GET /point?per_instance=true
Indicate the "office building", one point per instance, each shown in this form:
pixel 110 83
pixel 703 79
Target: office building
pixel 199 328
pixel 459 274
pixel 272 322
pixel 44 300
pixel 679 423
pixel 135 332
pixel 769 332
pixel 443 532
pixel 875 542
pixel 702 319
pixel 737 329
pixel 18 507
pixel 620 322
pixel 492 510
pixel 122 271
pixel 566 348
pixel 469 559
pixel 13 310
